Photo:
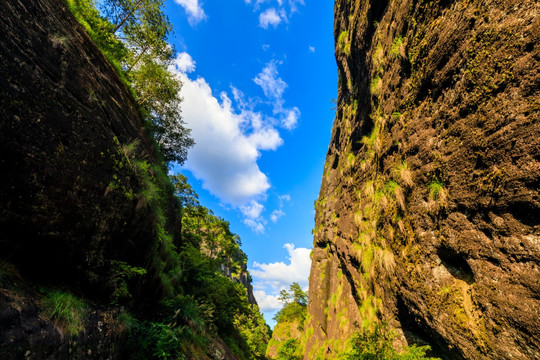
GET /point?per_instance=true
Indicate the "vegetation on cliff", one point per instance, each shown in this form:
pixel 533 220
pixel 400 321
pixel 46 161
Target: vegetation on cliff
pixel 133 37
pixel 288 339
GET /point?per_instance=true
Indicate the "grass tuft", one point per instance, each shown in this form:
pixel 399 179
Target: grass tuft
pixel 66 310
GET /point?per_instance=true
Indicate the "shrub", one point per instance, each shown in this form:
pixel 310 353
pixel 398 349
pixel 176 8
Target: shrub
pixel 376 344
pixel 397 47
pixel 289 351
pixel 437 192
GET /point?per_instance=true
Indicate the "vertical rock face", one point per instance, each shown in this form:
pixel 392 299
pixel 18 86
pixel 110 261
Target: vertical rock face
pixel 429 212
pixel 65 118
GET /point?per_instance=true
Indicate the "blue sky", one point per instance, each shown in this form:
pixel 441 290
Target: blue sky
pixel 259 78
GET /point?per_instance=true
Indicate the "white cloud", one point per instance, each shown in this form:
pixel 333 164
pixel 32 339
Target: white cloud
pixel 252 210
pixel 256 226
pixel 293 5
pixel 184 63
pixel 278 11
pixel 225 155
pixel 279 275
pixel 311 48
pixel 285 197
pixel 193 9
pixel 230 135
pixel 269 17
pixel 289 122
pixel 267 302
pixel 274 87
pixel 276 214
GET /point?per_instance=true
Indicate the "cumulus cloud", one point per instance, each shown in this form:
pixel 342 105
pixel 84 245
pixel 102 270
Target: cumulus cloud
pixel 311 48
pixel 225 155
pixel 269 17
pixel 267 302
pixel 280 275
pixel 273 88
pixel 184 63
pixel 193 9
pixel 230 135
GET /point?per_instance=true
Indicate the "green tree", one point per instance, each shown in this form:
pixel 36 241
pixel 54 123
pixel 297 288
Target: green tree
pixel 133 35
pixel 295 305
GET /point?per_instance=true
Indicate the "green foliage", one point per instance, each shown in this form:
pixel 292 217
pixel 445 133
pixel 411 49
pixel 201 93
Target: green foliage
pixel 289 351
pixel 99 30
pixel 397 45
pixel 253 329
pixel 203 295
pixel 133 37
pixel 376 344
pixel 122 273
pixel 436 189
pixel 66 310
pixel 154 340
pixel 295 305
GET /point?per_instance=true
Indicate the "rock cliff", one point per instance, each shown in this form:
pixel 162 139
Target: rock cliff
pixel 65 116
pixel 429 212
pixel 90 236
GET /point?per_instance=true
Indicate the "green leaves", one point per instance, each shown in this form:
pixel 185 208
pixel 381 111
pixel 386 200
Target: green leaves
pixel 376 343
pixel 133 35
pixel 295 305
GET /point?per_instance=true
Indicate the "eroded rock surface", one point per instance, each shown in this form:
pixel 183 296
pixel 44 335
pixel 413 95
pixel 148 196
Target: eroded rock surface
pixel 429 210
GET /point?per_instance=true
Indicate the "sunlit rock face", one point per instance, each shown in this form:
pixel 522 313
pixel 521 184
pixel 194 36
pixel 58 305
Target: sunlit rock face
pixel 429 212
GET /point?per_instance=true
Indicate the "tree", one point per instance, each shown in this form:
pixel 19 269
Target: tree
pixel 295 294
pixel 144 28
pixel 295 305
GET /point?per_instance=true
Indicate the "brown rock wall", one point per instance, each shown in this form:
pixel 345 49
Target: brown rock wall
pixel 429 206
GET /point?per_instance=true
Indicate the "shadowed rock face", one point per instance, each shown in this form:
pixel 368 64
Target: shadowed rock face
pixel 64 117
pixel 429 210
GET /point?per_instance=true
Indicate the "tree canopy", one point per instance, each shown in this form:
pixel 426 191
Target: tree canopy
pixel 295 302
pixel 133 35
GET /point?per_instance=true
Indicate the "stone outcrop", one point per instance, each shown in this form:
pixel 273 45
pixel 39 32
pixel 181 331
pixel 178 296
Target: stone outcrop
pixel 66 117
pixel 429 212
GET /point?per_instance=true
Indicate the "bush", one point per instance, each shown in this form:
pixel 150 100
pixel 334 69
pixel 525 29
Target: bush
pixel 376 344
pixel 289 350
